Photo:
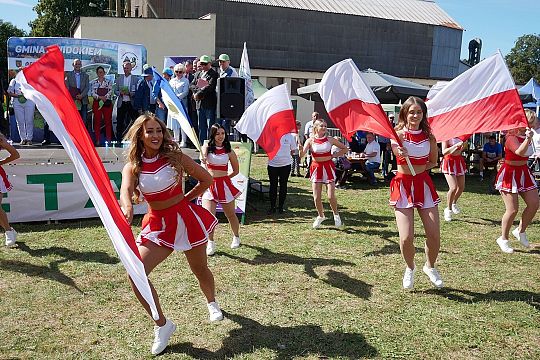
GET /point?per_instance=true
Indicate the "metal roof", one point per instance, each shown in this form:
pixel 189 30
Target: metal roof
pixel 417 11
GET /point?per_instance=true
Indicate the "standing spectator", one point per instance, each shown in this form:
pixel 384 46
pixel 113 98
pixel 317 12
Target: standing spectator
pixel 144 97
pixel 386 149
pixel 279 169
pixel 372 154
pixel 180 86
pixel 125 87
pixel 307 133
pixel 204 91
pixel 78 84
pixel 161 109
pixel 225 70
pixel 192 104
pixel 24 112
pixel 101 91
pixel 491 154
pixel 296 152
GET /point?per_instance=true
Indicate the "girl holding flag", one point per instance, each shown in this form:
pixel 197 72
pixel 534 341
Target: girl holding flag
pixel 515 178
pixel 322 169
pixel 410 190
pixel 154 170
pixel 454 168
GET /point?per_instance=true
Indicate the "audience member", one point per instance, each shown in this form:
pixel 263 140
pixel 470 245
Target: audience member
pixel 24 112
pixel 180 86
pixel 78 84
pixel 491 154
pixel 225 70
pixel 372 153
pixel 144 97
pixel 204 91
pixel 125 87
pixel 101 91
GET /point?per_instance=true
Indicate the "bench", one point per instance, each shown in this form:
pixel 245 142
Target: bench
pixel 257 187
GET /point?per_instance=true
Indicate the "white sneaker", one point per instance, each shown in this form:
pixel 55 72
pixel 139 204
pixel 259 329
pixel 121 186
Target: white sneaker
pixel 214 311
pixel 235 244
pixel 11 237
pixel 183 144
pixel 408 278
pixel 447 214
pixel 210 248
pixel 162 336
pixel 455 209
pixel 522 237
pixel 318 221
pixel 503 244
pixel 433 276
pixel 337 221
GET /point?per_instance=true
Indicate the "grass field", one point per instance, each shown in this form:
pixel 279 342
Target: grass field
pixel 288 292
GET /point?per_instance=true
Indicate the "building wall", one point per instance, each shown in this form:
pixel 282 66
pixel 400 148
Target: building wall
pixel 161 37
pixel 293 39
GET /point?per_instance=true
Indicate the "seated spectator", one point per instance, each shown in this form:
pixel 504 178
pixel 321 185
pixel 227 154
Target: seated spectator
pixel 491 154
pixel 372 154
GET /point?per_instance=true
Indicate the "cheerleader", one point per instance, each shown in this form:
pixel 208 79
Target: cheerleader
pixel 454 168
pixel 408 191
pixel 5 186
pixel 515 178
pixel 216 156
pixel 322 169
pixel 155 170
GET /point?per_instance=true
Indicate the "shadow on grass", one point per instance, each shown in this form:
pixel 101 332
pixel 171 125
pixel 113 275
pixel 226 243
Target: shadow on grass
pixel 286 342
pixel 469 297
pixel 334 278
pixel 52 272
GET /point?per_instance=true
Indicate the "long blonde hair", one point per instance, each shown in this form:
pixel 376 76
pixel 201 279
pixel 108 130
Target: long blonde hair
pixel 168 149
pixel 402 118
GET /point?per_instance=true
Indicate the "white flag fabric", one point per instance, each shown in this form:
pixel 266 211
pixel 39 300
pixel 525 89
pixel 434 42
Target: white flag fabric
pixel 43 83
pixel 268 119
pixel 245 72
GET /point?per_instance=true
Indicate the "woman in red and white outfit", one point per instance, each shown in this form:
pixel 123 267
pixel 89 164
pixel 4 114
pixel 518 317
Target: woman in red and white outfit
pixel 154 170
pixel 216 156
pixel 408 192
pixel 454 168
pixel 322 169
pixel 5 186
pixel 515 178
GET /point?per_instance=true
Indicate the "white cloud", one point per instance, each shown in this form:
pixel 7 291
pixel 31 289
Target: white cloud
pixel 15 3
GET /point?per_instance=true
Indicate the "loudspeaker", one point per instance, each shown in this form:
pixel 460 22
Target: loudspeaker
pixel 232 93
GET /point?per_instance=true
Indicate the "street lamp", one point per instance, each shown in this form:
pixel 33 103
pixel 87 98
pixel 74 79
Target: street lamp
pixel 108 12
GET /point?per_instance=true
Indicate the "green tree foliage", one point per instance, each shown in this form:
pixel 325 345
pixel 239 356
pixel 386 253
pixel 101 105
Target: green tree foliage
pixel 55 17
pixel 524 58
pixel 7 30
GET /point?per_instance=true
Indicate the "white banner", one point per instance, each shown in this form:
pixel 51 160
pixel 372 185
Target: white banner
pixel 53 192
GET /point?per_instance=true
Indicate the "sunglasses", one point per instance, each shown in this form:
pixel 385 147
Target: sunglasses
pixel 178 71
pixel 203 64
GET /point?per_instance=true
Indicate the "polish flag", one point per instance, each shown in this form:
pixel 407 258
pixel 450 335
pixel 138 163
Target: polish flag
pixel 43 83
pixel 268 119
pixel 351 104
pixel 482 99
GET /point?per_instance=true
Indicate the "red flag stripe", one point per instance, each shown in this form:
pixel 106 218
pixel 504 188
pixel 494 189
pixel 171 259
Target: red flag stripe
pixel 276 126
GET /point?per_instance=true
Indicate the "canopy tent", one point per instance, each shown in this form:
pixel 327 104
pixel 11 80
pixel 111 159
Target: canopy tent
pixel 388 89
pixel 532 88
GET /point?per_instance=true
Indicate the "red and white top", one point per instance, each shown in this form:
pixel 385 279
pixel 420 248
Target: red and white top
pixel 509 155
pixel 321 147
pixel 418 146
pixel 218 160
pixel 158 180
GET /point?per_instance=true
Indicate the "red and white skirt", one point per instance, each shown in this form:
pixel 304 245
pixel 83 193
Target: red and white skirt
pixel 5 185
pixel 181 227
pixel 407 191
pixel 514 179
pixel 323 172
pixel 453 165
pixel 221 191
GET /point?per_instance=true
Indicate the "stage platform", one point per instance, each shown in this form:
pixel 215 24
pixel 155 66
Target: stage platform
pixel 55 154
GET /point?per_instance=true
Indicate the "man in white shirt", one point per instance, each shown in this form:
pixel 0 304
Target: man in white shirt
pixel 125 86
pixel 372 154
pixel 279 169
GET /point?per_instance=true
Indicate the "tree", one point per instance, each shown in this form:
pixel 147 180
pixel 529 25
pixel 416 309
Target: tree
pixel 7 30
pixel 524 58
pixel 55 17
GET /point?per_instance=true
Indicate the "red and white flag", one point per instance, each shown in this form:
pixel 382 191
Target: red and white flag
pixel 482 99
pixel 351 104
pixel 43 83
pixel 268 119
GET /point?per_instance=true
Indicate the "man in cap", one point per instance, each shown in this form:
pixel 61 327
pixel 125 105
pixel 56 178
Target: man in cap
pixel 204 92
pixel 144 97
pixel 225 70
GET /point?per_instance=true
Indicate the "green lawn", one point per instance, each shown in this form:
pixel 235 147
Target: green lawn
pixel 288 292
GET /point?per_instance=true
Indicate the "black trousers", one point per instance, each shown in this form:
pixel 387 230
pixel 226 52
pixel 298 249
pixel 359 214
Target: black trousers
pixel 125 115
pixel 278 175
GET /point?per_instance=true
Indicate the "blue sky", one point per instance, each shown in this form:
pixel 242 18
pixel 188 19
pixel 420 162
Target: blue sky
pixel 497 22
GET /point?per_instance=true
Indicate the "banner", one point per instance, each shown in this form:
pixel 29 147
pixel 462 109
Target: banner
pixel 54 192
pixel 23 51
